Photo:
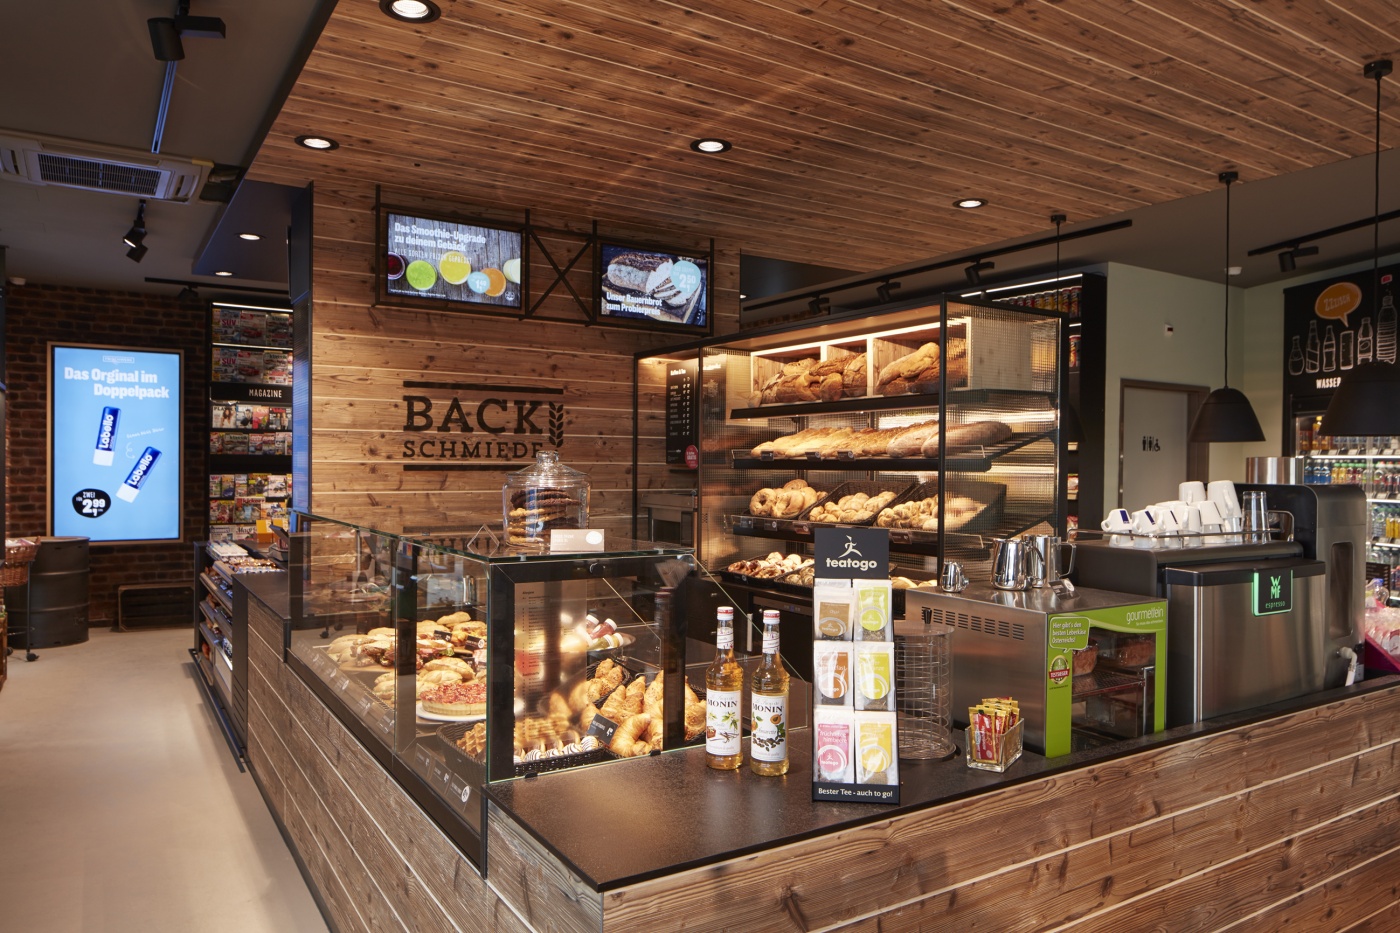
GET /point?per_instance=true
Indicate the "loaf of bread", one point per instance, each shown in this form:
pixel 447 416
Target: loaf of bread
pixel 919 372
pixel 910 441
pixel 976 434
pixel 813 380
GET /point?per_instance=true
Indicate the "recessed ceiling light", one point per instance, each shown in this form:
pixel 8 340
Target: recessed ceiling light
pixel 224 274
pixel 968 204
pixel 317 142
pixel 711 146
pixel 411 11
pixel 251 237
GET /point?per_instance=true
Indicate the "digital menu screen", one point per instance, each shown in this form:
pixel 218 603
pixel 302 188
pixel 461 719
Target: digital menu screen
pixel 114 443
pixel 653 289
pixel 450 260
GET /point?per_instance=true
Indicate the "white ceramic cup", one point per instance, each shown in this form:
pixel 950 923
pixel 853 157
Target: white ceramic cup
pixel 1222 493
pixel 1211 519
pixel 1117 522
pixel 1191 492
pixel 1167 519
pixel 1147 522
pixel 1169 504
pixel 1190 520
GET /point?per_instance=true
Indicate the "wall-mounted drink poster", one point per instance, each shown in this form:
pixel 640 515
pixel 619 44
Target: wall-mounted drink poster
pixel 448 260
pixel 654 289
pixel 1333 326
pixel 114 443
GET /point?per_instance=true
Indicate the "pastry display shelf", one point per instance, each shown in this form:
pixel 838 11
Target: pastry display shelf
pixel 976 459
pixel 222 591
pixel 873 403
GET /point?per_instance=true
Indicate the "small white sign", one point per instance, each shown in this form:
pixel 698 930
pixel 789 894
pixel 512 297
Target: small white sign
pixel 576 539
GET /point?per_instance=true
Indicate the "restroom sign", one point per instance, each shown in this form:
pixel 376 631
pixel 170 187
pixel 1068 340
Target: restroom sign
pixel 1273 592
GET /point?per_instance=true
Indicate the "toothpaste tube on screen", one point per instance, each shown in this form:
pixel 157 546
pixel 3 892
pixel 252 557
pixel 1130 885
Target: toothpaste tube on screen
pixel 106 436
pixel 131 486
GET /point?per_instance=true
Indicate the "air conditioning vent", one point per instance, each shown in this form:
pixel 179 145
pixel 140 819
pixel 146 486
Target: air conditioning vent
pixel 81 165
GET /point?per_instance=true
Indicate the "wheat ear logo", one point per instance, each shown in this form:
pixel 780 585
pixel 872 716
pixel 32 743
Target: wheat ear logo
pixel 556 423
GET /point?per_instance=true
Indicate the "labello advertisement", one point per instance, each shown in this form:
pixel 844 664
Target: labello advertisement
pixel 114 443
pixel 1333 326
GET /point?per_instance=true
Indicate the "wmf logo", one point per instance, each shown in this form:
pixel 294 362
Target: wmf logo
pixel 1275 587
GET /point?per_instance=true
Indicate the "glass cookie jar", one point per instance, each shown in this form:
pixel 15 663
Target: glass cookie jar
pixel 541 498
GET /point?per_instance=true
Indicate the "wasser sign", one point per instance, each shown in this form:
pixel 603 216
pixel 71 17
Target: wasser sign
pixel 458 425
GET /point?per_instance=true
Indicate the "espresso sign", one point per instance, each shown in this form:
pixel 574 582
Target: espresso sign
pixel 852 553
pixel 478 426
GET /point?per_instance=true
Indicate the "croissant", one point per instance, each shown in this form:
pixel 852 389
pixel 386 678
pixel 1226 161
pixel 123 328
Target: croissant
pixel 612 707
pixel 637 687
pixel 628 741
pixel 655 733
pixel 651 703
pixel 585 718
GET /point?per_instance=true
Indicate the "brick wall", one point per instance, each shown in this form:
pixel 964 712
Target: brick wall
pixel 37 314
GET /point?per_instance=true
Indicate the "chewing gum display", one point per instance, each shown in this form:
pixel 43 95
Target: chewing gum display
pixel 131 486
pixel 874 675
pixel 834 605
pixel 831 666
pixel 105 449
pixel 832 734
pixel 994 733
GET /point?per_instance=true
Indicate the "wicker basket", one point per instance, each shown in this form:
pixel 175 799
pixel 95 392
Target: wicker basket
pixel 19 554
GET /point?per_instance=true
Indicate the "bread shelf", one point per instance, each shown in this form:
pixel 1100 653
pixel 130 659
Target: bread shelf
pixel 976 459
pixel 909 403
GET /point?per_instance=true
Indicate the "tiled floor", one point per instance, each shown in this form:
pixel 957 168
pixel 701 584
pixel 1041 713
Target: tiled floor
pixel 121 808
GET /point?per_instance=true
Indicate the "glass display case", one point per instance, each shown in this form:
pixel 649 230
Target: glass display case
pixel 522 662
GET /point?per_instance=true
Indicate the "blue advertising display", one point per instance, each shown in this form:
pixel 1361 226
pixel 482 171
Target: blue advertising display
pixel 114 443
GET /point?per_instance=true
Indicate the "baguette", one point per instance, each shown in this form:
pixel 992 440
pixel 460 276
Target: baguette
pixel 979 433
pixel 910 441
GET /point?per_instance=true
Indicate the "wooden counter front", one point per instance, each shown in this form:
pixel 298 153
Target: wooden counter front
pixel 1286 822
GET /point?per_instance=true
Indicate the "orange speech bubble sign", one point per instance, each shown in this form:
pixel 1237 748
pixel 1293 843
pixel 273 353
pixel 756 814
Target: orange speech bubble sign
pixel 1337 301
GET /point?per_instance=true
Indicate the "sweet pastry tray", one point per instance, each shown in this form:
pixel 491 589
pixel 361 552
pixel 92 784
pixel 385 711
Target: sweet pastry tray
pixel 988 518
pixel 869 487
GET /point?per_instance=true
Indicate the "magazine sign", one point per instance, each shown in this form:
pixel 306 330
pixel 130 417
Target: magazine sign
pixel 1333 326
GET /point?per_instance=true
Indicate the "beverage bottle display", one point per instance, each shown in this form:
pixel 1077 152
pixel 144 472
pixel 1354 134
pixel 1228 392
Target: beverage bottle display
pixel 1312 356
pixel 724 690
pixel 768 706
pixel 1346 351
pixel 1295 358
pixel 1385 330
pixel 1329 351
pixel 1364 342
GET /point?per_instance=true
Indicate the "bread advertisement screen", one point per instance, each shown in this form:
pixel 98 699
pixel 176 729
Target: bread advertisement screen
pixel 114 443
pixel 458 261
pixel 654 289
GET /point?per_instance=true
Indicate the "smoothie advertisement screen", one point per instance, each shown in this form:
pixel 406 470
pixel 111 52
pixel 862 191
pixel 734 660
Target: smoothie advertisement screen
pixel 114 443
pixel 444 260
pixel 651 288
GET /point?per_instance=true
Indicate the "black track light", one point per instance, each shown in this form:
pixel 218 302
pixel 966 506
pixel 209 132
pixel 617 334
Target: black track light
pixel 166 32
pixel 884 289
pixel 819 304
pixel 1288 259
pixel 135 237
pixel 974 271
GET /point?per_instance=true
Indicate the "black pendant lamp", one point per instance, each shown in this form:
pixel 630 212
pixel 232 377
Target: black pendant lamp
pixel 1226 415
pixel 1365 401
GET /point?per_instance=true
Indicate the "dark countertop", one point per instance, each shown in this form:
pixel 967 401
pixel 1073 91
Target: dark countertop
pixel 270 589
pixel 692 816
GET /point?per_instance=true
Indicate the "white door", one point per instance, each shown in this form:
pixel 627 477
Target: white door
pixel 1153 461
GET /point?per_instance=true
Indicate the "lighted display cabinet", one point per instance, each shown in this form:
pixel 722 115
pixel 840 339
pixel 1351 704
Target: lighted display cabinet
pixel 515 624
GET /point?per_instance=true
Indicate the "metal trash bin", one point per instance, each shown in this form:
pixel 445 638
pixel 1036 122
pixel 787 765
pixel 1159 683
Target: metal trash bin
pixel 52 608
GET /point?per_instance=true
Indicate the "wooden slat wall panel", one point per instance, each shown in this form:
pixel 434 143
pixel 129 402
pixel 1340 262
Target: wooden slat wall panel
pixel 547 895
pixel 1210 830
pixel 379 863
pixel 855 124
pixel 362 355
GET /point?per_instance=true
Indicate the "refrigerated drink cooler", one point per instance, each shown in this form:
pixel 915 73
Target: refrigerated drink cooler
pixel 1085 669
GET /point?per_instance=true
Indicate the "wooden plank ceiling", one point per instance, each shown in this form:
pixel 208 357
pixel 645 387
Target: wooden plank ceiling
pixel 855 124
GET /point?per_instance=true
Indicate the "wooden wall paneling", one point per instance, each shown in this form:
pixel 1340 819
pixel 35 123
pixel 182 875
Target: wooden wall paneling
pixel 1382 921
pixel 550 897
pixel 985 835
pixel 1343 899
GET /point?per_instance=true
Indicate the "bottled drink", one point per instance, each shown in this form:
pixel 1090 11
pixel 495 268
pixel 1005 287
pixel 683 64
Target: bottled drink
pixel 1329 351
pixel 724 689
pixel 768 693
pixel 1385 330
pixel 1312 356
pixel 1295 357
pixel 1364 342
pixel 1346 351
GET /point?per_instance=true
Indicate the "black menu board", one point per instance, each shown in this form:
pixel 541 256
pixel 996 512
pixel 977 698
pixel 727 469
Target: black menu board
pixel 682 410
pixel 1332 326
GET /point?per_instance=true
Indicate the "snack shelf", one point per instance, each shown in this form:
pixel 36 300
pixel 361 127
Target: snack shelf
pixel 864 403
pixel 215 615
pixel 218 645
pixel 1103 681
pixel 977 459
pixel 221 591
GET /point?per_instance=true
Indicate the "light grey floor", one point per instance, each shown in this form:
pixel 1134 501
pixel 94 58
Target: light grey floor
pixel 121 808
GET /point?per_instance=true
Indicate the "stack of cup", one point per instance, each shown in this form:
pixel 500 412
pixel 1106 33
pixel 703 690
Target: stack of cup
pixel 1227 503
